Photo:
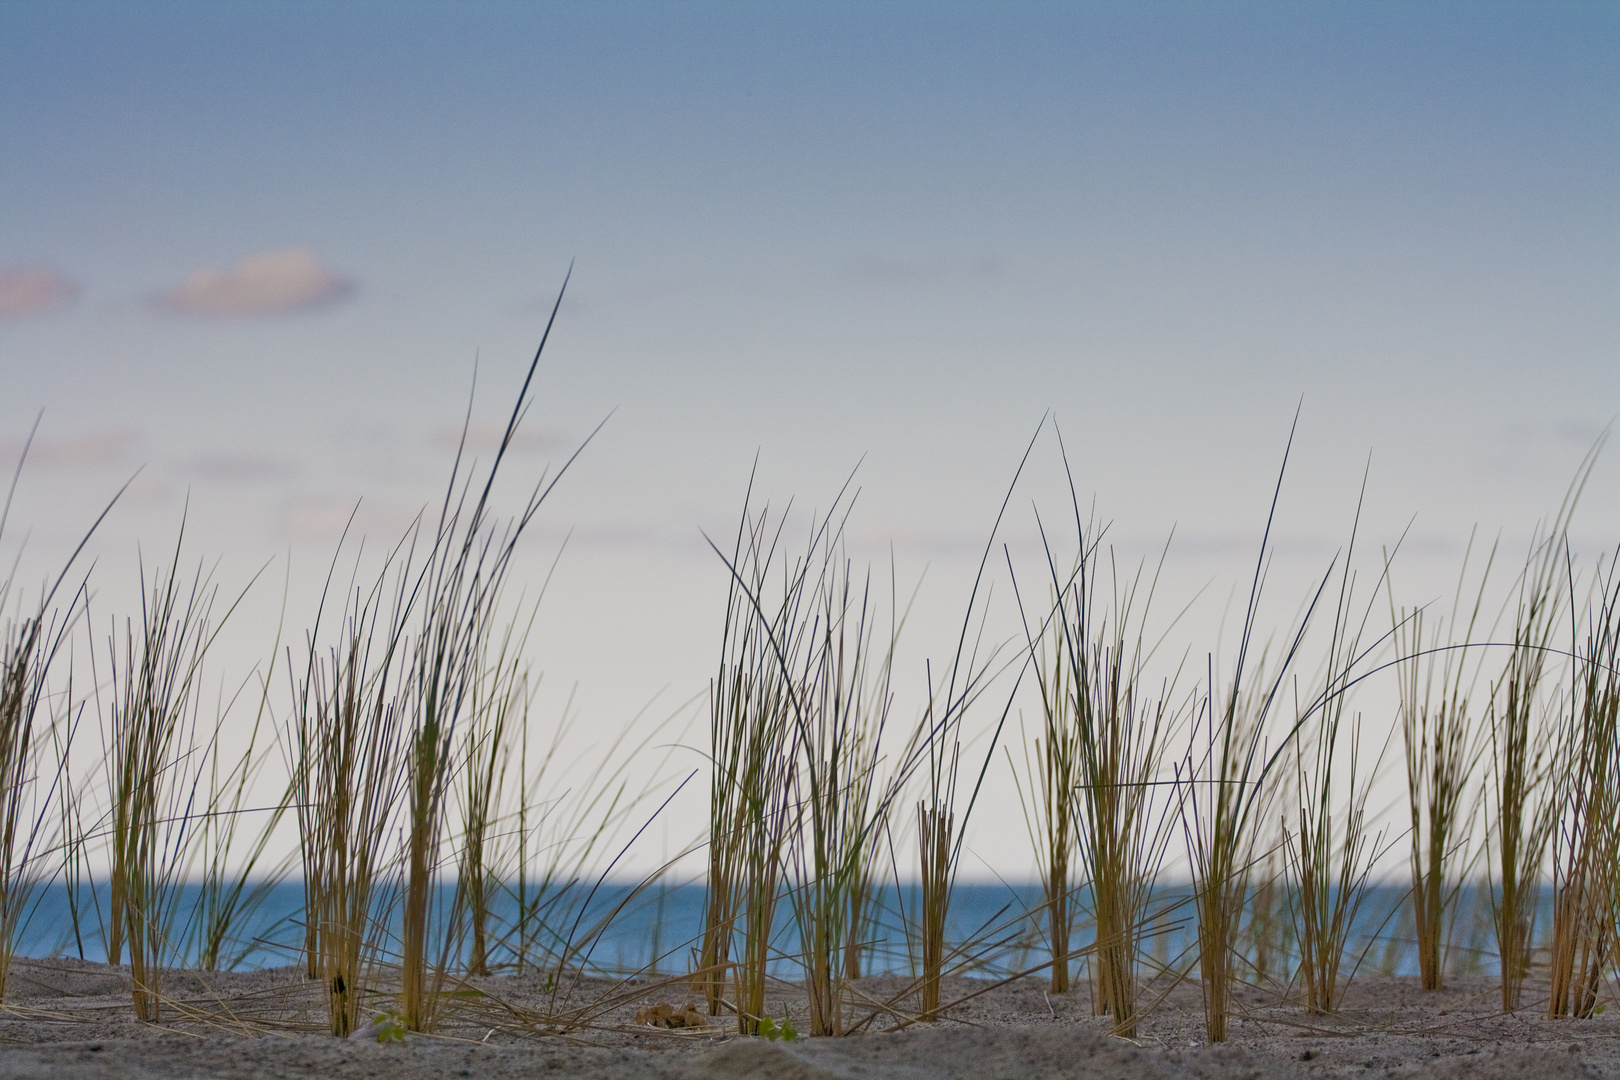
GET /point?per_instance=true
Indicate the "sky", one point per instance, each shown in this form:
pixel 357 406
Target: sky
pixel 253 254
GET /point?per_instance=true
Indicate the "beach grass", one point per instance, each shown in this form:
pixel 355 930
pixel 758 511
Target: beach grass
pixel 404 719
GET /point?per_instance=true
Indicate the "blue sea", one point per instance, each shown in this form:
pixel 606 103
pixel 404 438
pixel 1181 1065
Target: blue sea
pixel 614 928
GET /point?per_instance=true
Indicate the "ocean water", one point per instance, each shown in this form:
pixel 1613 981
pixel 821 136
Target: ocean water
pixel 994 929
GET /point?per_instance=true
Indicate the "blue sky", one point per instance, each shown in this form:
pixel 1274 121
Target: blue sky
pixel 816 232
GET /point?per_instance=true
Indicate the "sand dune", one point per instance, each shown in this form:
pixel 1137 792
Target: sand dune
pixel 70 1020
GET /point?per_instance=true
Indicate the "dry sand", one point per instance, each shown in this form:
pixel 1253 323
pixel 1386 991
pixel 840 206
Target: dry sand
pixel 66 1019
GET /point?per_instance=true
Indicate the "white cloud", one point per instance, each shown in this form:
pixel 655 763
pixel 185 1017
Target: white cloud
pixel 25 290
pixel 262 284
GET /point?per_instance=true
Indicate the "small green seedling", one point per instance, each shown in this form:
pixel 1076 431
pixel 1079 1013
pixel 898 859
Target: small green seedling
pixel 785 1031
pixel 388 1028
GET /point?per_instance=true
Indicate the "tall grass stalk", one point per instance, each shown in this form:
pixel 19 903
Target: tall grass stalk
pixel 766 810
pixel 485 774
pixel 1123 840
pixel 756 730
pixel 1050 814
pixel 936 822
pixel 1328 846
pixel 1220 802
pixel 30 645
pixel 1050 807
pixel 453 609
pixel 744 734
pixel 845 702
pixel 1588 847
pixel 28 784
pixel 870 807
pixel 1271 933
pixel 1329 859
pixel 346 747
pixel 940 829
pixel 736 715
pixel 1226 782
pixel 800 682
pixel 1441 749
pixel 1105 739
pixel 500 695
pixel 152 768
pixel 25 658
pixel 1524 753
pixel 723 881
pixel 72 833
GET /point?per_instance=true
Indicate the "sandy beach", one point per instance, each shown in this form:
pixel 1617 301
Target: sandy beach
pixel 68 1019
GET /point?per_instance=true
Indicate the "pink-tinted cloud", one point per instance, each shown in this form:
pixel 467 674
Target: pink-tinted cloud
pixel 26 290
pixel 326 517
pixel 268 283
pixel 91 450
pixel 238 469
pixel 315 517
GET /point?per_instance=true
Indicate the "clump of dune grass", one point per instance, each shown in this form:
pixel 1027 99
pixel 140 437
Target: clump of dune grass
pixel 1522 816
pixel 1269 934
pixel 1524 754
pixel 797 719
pixel 845 704
pixel 1123 839
pixel 1221 800
pixel 1105 736
pixel 1588 845
pixel 30 645
pixel 1228 777
pixel 940 830
pixel 936 851
pixel 729 701
pixel 1330 859
pixel 753 747
pixel 26 652
pixel 1330 854
pixel 452 610
pixel 765 817
pixel 346 747
pixel 1220 807
pixel 1050 815
pixel 153 767
pixel 500 696
pixel 1441 748
pixel 797 715
pixel 391 700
